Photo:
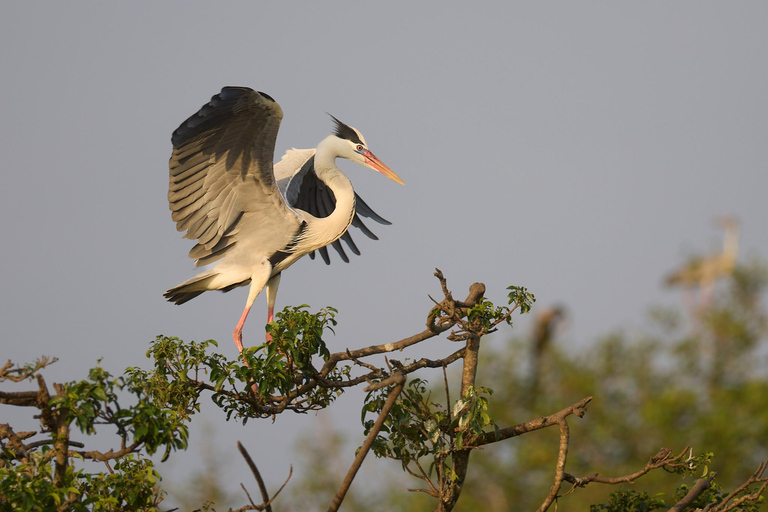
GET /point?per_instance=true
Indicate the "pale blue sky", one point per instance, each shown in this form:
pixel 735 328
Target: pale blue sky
pixel 581 149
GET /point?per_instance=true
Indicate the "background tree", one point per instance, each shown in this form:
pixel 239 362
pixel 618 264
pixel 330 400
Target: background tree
pixel 649 389
pixel 689 377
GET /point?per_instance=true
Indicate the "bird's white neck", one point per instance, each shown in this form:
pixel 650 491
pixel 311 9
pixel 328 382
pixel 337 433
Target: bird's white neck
pixel 323 231
pixel 731 242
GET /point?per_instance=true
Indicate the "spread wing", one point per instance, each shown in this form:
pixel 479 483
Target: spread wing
pixel 221 170
pixel 302 188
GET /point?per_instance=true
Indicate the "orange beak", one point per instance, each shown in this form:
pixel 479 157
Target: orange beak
pixel 374 163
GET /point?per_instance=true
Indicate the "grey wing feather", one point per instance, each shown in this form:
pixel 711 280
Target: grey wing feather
pixel 304 190
pixel 221 167
pixel 290 167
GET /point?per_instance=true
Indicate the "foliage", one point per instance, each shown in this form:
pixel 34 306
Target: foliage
pixel 697 379
pixel 131 485
pixel 627 500
pixel 677 384
pixel 42 474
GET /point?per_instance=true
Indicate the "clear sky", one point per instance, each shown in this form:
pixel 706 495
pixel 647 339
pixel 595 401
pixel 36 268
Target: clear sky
pixel 581 149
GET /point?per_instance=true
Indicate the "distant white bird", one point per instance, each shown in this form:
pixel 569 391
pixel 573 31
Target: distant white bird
pixel 253 221
pixel 703 272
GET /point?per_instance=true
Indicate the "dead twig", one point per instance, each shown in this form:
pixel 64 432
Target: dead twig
pixel 578 408
pixel 256 475
pixel 336 503
pixel 757 477
pixel 663 459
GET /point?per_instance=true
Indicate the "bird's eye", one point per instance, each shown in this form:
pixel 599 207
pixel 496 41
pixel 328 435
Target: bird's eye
pixel 359 148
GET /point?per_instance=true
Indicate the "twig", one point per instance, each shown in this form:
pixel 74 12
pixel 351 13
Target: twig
pixel 104 456
pixel 395 378
pixel 577 408
pixel 256 475
pixel 663 458
pixel 8 372
pixel 248 495
pixel 336 503
pixel 449 408
pixel 757 477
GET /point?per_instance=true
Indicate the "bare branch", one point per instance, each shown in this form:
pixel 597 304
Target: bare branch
pixel 105 456
pixel 8 372
pixel 44 442
pixel 577 408
pixel 701 485
pixel 266 505
pixel 336 503
pixel 250 500
pixel 663 459
pixel 757 477
pixel 395 378
pixel 256 475
pixel 562 456
pixel 19 398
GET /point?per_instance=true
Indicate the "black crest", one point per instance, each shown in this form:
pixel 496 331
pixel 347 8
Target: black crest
pixel 344 131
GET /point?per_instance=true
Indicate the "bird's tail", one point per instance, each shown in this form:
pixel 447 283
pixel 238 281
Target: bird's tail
pixel 191 288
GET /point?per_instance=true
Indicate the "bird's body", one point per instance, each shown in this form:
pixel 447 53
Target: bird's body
pixel 249 218
pixel 704 271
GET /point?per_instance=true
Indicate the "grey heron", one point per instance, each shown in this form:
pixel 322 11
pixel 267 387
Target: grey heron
pixel 251 218
pixel 704 271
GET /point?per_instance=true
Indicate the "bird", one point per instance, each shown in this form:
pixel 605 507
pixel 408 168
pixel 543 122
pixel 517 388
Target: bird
pixel 251 218
pixel 703 272
pixel 543 332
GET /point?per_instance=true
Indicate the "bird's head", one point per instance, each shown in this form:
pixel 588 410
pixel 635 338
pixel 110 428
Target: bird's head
pixel 727 222
pixel 351 145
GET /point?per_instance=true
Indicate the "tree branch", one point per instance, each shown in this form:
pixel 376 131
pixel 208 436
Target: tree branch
pixel 578 408
pixel 336 503
pixel 701 485
pixel 662 459
pixel 562 456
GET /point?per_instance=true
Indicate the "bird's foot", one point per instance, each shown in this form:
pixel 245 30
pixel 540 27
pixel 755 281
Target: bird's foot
pixel 238 337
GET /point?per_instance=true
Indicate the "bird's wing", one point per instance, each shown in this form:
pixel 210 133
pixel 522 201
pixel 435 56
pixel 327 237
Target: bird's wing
pixel 288 167
pixel 221 169
pixel 302 188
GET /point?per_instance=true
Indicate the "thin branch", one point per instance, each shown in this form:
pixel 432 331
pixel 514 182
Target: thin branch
pixel 7 372
pixel 577 408
pixel 44 442
pixel 425 477
pixel 562 456
pixel 265 506
pixel 362 363
pixel 662 459
pixel 757 477
pixel 256 475
pixel 394 379
pixel 105 456
pixel 250 500
pixel 336 503
pixel 449 407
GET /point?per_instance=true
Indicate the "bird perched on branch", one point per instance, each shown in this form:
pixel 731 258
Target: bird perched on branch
pixel 252 219
pixel 702 272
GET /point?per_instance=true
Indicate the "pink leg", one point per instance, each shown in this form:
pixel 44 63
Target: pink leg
pixel 270 319
pixel 271 286
pixel 237 334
